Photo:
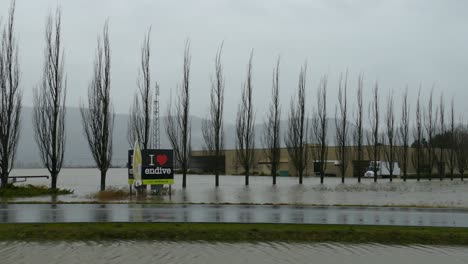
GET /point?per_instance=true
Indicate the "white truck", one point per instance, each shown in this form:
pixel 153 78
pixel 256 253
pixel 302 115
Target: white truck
pixel 383 169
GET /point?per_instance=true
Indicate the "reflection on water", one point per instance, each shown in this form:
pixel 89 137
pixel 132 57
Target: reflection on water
pixel 54 214
pixel 201 189
pixel 199 252
pixel 30 213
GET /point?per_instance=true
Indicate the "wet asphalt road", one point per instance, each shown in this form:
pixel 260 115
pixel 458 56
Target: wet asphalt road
pixel 48 213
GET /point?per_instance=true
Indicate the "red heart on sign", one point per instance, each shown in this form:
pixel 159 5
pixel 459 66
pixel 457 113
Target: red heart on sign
pixel 161 159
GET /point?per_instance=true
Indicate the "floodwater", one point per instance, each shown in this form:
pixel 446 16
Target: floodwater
pixel 46 213
pixel 229 253
pixel 201 189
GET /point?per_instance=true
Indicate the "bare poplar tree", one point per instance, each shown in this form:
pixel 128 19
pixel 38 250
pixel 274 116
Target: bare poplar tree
pixel 373 138
pixel 178 124
pixel 341 123
pixel 452 160
pixel 245 133
pixel 461 149
pixel 98 117
pixel 212 128
pixel 319 128
pixel 271 137
pixel 297 132
pixel 11 97
pixel 49 101
pixel 441 156
pixel 139 124
pixel 389 150
pixel 430 122
pixel 358 132
pixel 418 134
pixel 403 135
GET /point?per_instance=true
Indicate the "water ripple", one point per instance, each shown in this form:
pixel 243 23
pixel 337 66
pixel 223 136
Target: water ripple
pixel 124 251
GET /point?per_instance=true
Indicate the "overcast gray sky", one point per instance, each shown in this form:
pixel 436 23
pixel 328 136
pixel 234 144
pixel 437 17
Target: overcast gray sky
pixel 396 42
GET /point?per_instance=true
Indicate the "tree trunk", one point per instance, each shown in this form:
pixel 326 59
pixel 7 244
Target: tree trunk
pixel 4 181
pixel 4 178
pixel 103 180
pixel 273 170
pixel 54 176
pixel 247 177
pixel 5 173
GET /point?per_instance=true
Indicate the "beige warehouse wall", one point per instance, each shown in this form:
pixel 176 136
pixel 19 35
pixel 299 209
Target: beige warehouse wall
pixel 261 166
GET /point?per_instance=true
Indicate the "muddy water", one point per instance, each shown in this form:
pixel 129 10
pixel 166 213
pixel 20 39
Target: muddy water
pixel 200 252
pixel 200 189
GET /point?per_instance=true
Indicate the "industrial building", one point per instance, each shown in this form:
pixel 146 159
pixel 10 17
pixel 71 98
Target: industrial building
pixel 201 159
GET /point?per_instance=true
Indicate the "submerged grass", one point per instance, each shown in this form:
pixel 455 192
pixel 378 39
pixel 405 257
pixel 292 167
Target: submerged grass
pixel 29 190
pixel 111 194
pixel 235 233
pixel 119 194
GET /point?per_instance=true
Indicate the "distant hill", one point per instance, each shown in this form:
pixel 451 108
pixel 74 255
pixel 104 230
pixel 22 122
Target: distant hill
pixel 77 152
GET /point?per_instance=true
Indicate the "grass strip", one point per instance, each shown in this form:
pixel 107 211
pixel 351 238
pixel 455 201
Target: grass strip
pixel 30 191
pixel 235 232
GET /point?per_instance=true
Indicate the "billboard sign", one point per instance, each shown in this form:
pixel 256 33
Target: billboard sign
pixel 157 166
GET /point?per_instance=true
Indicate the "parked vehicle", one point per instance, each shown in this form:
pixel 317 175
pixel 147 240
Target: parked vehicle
pixel 369 174
pixel 383 169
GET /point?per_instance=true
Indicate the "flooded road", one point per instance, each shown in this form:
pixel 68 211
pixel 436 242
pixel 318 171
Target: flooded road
pixel 200 189
pixel 229 253
pixel 27 213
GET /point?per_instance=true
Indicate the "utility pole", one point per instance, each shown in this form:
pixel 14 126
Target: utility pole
pixel 156 132
pixel 156 135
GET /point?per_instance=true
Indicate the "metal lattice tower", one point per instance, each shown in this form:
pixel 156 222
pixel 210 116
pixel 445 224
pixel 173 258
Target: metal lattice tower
pixel 156 132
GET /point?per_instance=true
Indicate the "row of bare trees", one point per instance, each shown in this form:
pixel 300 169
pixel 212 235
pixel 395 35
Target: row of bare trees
pixel 49 102
pixel 435 143
pixel 307 139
